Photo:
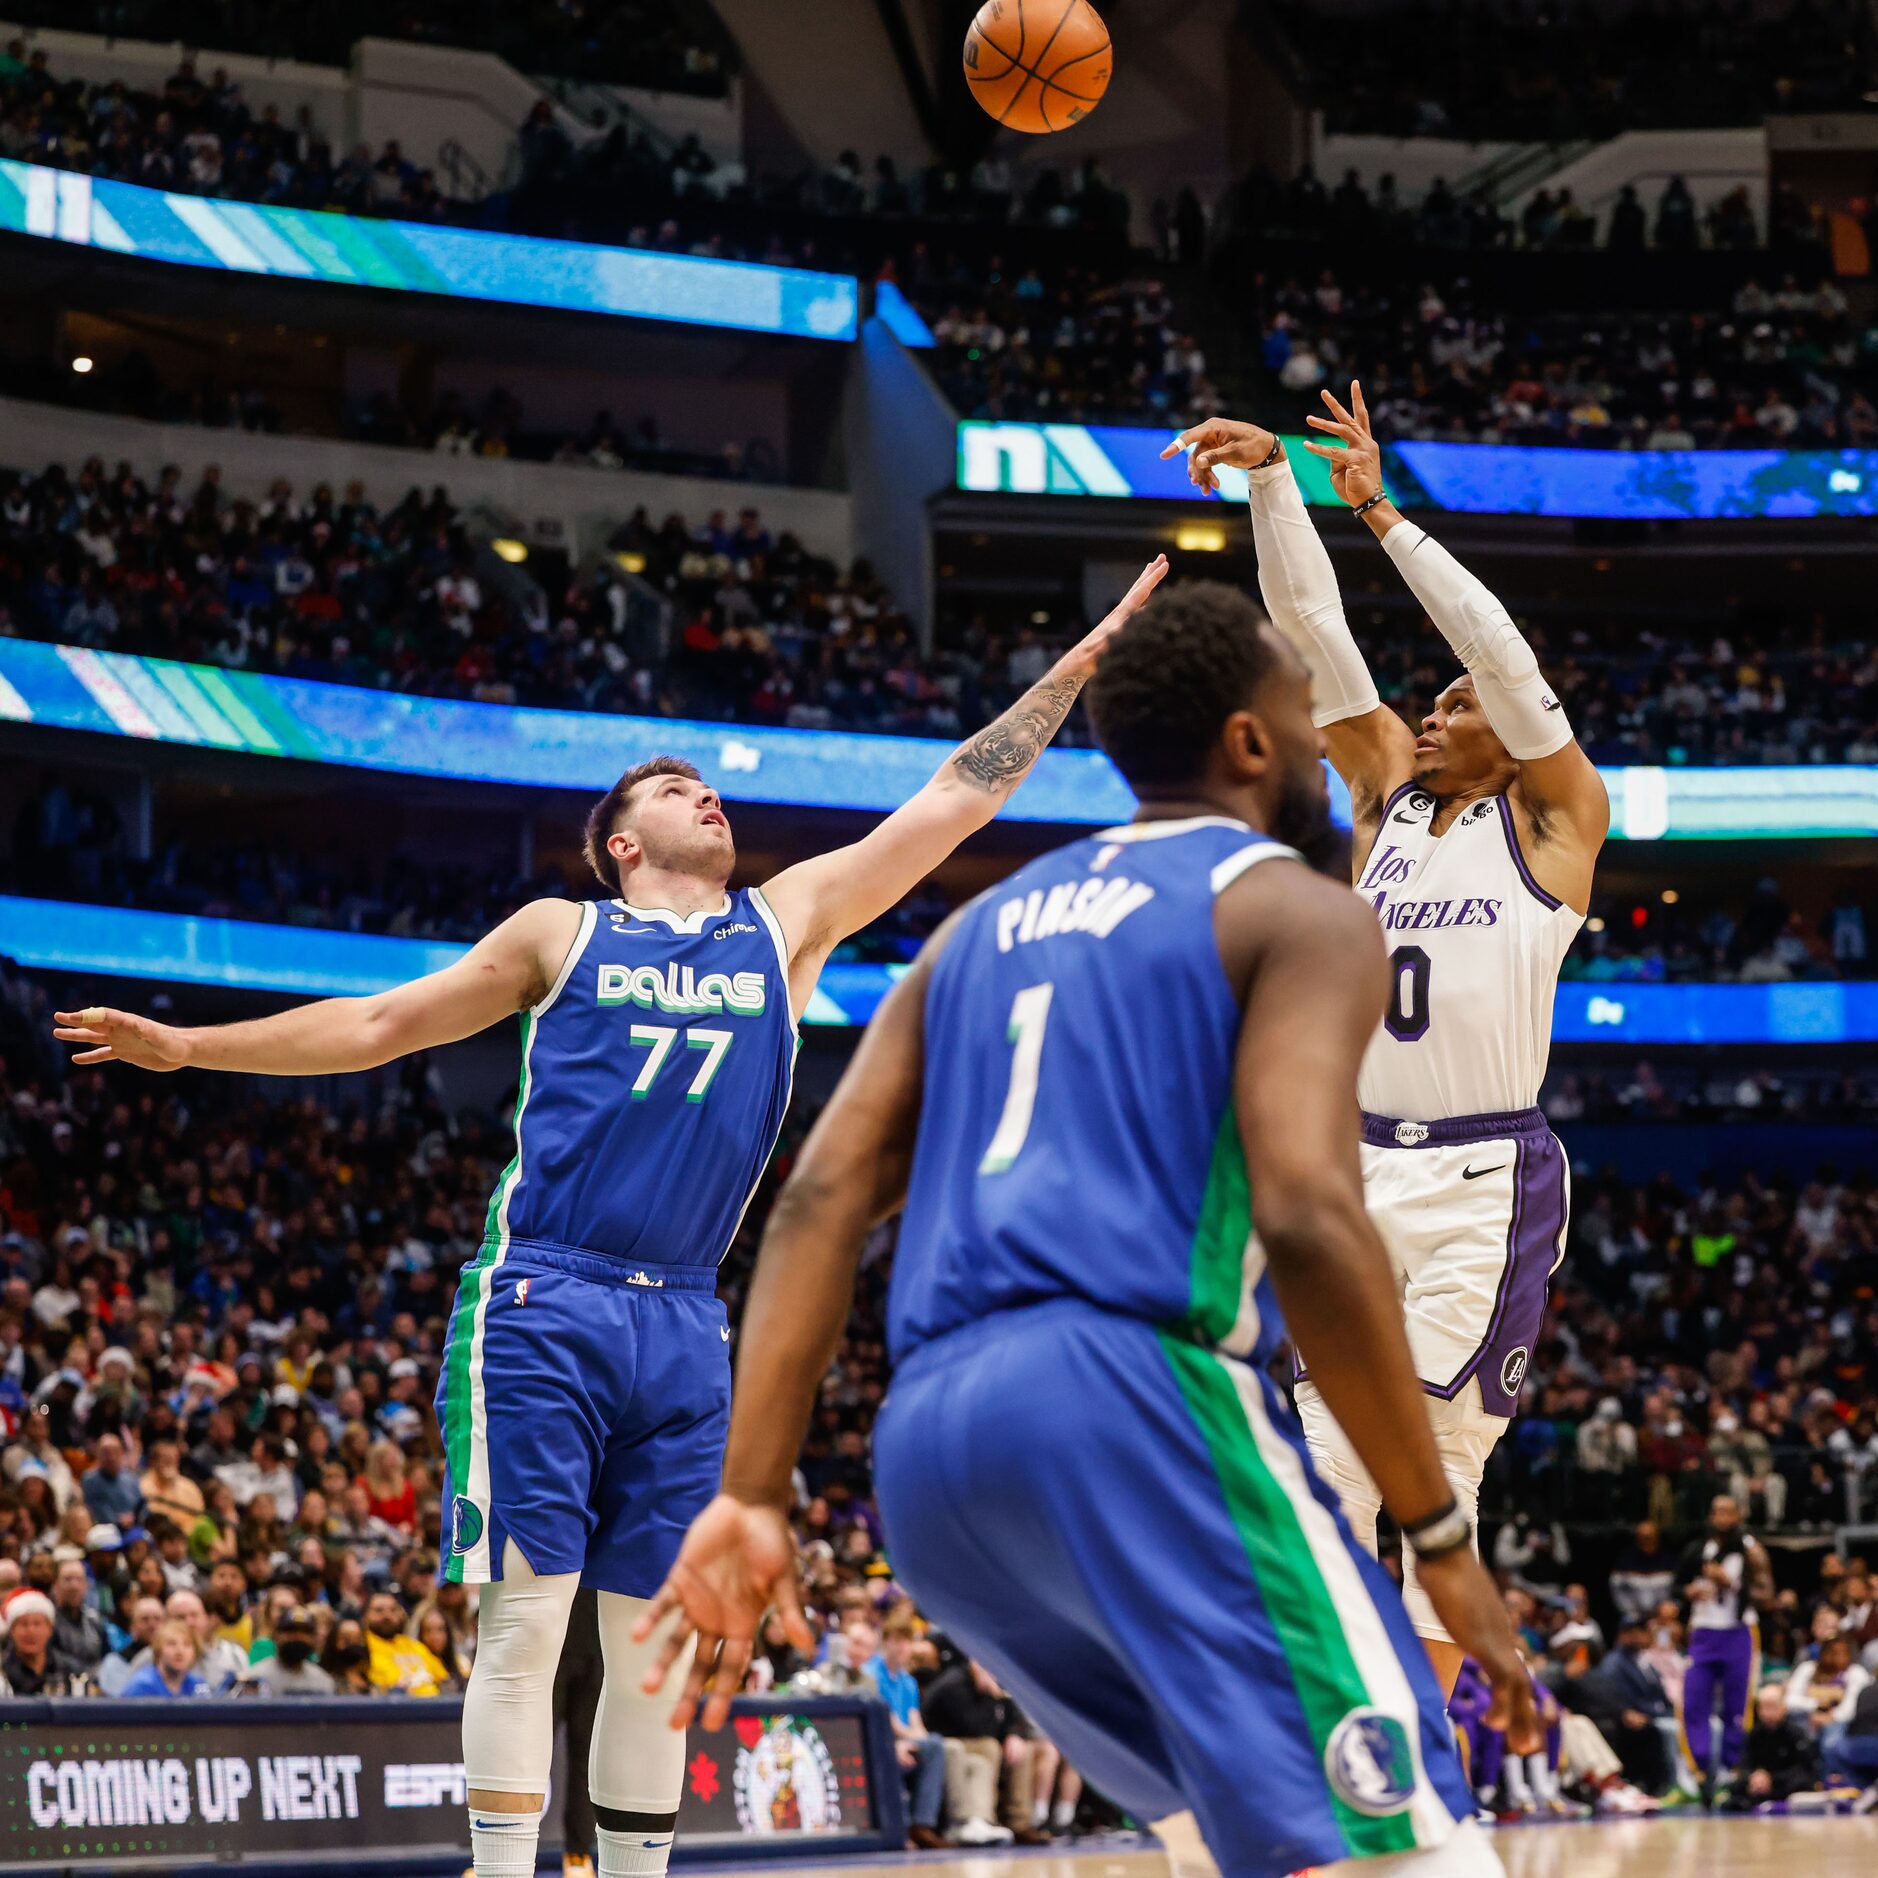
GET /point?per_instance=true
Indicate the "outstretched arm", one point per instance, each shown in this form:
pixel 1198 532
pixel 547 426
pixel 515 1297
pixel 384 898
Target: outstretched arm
pixel 821 901
pixel 739 1557
pixel 1558 784
pixel 504 972
pixel 1370 746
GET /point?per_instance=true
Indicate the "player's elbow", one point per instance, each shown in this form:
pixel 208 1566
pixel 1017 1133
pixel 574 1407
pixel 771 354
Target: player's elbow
pixel 1305 1220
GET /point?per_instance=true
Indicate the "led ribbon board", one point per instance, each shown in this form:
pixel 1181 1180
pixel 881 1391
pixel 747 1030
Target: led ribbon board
pixel 116 694
pixel 1119 460
pixel 417 257
pixel 177 948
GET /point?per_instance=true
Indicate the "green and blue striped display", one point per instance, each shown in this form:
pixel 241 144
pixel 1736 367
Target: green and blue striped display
pixel 419 257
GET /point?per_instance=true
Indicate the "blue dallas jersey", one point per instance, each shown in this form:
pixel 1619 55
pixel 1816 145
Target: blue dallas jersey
pixel 1077 1136
pixel 655 1075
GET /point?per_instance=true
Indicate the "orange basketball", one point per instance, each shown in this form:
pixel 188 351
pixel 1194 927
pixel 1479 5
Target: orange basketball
pixel 1038 65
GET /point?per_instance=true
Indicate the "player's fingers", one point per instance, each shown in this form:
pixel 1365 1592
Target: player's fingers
pixel 795 1622
pixel 1358 404
pixel 669 1652
pixel 77 1033
pixel 1348 432
pixel 696 1680
pixel 1322 449
pixel 1183 441
pixel 1342 416
pixel 650 1618
pixel 732 1661
pixel 106 1055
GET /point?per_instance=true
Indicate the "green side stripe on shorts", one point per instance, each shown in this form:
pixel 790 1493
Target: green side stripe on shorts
pixel 462 1333
pixel 1217 1256
pixel 1297 1601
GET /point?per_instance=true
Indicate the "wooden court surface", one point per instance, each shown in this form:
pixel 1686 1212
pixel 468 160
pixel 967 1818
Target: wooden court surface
pixel 1631 1848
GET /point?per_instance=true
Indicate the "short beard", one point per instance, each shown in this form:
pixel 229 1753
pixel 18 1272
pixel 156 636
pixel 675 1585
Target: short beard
pixel 1301 820
pixel 697 856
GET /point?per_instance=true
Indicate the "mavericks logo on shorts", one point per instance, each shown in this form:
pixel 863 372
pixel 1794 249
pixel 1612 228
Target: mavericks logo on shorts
pixel 1371 1763
pixel 466 1524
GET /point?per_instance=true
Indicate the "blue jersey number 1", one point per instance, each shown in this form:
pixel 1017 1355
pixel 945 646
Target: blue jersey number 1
pixel 1030 1012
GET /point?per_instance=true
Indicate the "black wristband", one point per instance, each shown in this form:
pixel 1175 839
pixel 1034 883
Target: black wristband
pixel 1363 508
pixel 1440 1533
pixel 1277 450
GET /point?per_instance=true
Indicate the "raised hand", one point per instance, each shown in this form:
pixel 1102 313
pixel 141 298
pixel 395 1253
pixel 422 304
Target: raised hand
pixel 1221 442
pixel 1355 467
pixel 736 1562
pixel 122 1037
pixel 1080 660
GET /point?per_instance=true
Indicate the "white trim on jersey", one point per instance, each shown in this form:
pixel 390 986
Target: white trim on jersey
pixel 767 914
pixel 1159 831
pixel 678 922
pixel 1234 865
pixel 1381 1669
pixel 477 1565
pixel 589 919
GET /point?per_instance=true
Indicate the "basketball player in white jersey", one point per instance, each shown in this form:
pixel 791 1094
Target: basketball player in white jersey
pixel 1475 843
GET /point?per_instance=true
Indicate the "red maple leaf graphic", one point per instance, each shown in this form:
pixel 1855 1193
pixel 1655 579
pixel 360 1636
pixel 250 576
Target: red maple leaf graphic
pixel 704 1780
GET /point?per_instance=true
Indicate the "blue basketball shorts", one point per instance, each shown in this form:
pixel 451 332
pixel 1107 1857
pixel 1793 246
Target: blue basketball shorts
pixel 584 1404
pixel 1125 1529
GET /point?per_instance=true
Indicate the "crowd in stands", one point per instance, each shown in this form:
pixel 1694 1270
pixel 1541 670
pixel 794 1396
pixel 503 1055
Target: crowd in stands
pixel 1505 69
pixel 760 629
pixel 222 1309
pixel 1445 220
pixel 1719 1094
pixel 330 586
pixel 1784 366
pixel 1756 940
pixel 659 45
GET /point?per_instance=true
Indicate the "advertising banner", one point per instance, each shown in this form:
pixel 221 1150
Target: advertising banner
pixel 96 1786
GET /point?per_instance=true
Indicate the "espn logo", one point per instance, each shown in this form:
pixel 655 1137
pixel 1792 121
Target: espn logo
pixel 425 1783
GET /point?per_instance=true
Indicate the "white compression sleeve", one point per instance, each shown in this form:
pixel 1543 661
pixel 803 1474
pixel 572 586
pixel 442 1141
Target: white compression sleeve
pixel 508 1711
pixel 1299 588
pixel 1524 713
pixel 638 1762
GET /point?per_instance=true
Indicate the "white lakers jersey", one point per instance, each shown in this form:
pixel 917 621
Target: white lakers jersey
pixel 1474 950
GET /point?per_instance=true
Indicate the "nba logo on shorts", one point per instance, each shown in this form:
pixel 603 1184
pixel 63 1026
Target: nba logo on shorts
pixel 1370 1762
pixel 1513 1371
pixel 521 1290
pixel 466 1524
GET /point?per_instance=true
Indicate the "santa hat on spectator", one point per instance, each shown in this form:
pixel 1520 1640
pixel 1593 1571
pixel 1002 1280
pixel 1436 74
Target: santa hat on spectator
pixel 26 1603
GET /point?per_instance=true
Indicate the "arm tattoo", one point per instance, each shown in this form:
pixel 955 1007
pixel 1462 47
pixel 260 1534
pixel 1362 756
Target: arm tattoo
pixel 998 757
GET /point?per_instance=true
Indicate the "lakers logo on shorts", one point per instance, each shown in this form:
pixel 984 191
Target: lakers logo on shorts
pixel 1370 1763
pixel 466 1524
pixel 1513 1370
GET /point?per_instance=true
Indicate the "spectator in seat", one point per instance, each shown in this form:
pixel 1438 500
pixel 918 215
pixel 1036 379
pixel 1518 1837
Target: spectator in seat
pixel 1623 1697
pixel 1825 1692
pixel 77 1631
pixel 146 1616
pixel 983 1737
pixel 31 1663
pixel 1852 1754
pixel 110 1489
pixel 398 1662
pixel 218 1661
pixel 171 1672
pixel 922 1756
pixel 1644 1575
pixel 1781 1757
pixel 167 1489
pixel 347 1659
pixel 291 1670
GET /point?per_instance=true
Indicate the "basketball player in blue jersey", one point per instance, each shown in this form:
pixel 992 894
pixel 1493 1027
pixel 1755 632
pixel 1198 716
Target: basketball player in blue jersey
pixel 1475 844
pixel 1117 1097
pixel 586 1379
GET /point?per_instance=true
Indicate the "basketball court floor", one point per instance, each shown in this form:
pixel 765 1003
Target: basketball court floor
pixel 1640 1848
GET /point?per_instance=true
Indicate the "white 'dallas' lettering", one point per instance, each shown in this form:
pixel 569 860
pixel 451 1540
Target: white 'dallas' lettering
pixel 1093 906
pixel 680 988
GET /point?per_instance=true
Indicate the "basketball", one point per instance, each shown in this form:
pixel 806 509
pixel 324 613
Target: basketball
pixel 1040 66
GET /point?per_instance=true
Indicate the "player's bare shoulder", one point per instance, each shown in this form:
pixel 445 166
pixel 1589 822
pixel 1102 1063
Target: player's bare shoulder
pixel 533 946
pixel 1288 908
